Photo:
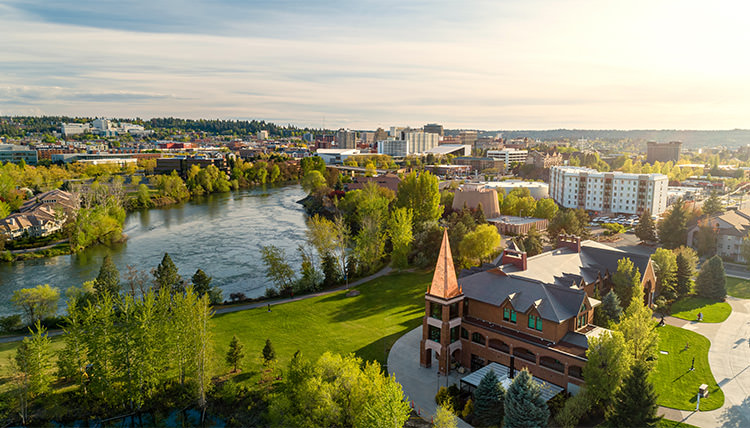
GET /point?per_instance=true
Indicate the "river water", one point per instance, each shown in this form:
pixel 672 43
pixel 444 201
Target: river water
pixel 219 233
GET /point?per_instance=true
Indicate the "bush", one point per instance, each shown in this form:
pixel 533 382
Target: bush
pixel 613 228
pixel 11 323
pixel 468 410
pixel 448 397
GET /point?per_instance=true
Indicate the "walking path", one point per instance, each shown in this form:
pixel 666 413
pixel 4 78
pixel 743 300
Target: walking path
pixel 420 384
pixel 243 307
pixel 45 247
pixel 729 357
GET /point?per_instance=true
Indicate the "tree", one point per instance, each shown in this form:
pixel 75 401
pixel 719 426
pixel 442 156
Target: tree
pixel 166 276
pixel 108 280
pixel 37 303
pixel 626 279
pixel 639 329
pixel 646 229
pixel 610 310
pixel 635 403
pixel 712 205
pixel 665 266
pixel 546 208
pixel 564 221
pixel 400 232
pixel 32 364
pixel 235 355
pixel 608 363
pixel 684 275
pixel 745 250
pixel 480 243
pixel 201 282
pixel 489 400
pixel 268 352
pixel 532 242
pixel 369 244
pixel 673 228
pixel 706 241
pixel 310 277
pixel 524 406
pixel 313 182
pixel 711 282
pixel 278 268
pixel 329 238
pixel 421 195
pixel 444 417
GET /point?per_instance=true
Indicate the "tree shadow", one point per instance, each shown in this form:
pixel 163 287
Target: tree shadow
pixel 378 349
pixel 736 416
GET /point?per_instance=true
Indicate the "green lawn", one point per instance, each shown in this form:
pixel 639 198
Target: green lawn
pixel 737 287
pixel 687 308
pixel 666 423
pixel 367 324
pixel 676 385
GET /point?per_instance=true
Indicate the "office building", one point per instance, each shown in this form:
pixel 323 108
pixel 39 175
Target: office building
pixel 509 156
pixel 479 165
pixel 393 148
pixel 420 142
pixel 434 128
pixel 15 154
pixel 346 139
pixel 544 160
pixel 468 137
pixel 74 128
pixel 608 192
pixel 663 152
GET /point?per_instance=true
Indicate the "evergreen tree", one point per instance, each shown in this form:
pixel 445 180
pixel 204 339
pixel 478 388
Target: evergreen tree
pixel 625 279
pixel 479 217
pixel 201 282
pixel 635 402
pixel 235 355
pixel 711 282
pixel 166 276
pixel 331 270
pixel 533 242
pixel 524 406
pixel 706 240
pixel 665 267
pixel 684 275
pixel 673 229
pixel 33 360
pixel 108 280
pixel 712 205
pixel 268 353
pixel 610 310
pixel 646 230
pixel 489 399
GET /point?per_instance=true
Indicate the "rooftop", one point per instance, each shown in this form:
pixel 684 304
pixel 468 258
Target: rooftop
pixel 509 219
pixel 548 390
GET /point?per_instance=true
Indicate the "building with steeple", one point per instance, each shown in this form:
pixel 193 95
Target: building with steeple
pixel 526 312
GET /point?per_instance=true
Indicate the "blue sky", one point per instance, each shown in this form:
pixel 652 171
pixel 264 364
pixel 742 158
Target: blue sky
pixel 533 64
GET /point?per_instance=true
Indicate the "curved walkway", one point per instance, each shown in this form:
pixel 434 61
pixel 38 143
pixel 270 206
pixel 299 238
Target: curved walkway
pixel 729 357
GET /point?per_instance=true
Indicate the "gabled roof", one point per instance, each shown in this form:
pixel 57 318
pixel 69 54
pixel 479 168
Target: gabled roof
pixel 444 283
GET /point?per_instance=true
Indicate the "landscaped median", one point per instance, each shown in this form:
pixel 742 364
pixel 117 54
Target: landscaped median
pixel 689 307
pixel 738 287
pixel 674 381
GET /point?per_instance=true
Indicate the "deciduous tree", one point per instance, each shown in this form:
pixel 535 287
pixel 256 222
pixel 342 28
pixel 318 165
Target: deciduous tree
pixel 626 279
pixel 278 269
pixel 420 193
pixel 400 232
pixel 639 329
pixel 481 243
pixel 665 266
pixel 37 303
pixel 608 363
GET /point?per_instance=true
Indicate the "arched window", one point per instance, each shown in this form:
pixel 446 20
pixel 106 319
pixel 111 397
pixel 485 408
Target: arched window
pixel 477 338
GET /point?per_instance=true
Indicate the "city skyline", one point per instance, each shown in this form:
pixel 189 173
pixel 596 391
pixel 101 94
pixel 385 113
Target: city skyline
pixel 363 65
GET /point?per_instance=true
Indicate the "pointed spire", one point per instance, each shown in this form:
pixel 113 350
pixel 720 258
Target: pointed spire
pixel 444 282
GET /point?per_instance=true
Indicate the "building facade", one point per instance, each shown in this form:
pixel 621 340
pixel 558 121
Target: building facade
pixel 346 139
pixel 730 228
pixel 608 192
pixel 420 142
pixel 478 164
pixel 528 312
pixel 393 148
pixel 468 137
pixel 434 128
pixel 15 154
pixel 663 152
pixel 544 160
pixel 509 156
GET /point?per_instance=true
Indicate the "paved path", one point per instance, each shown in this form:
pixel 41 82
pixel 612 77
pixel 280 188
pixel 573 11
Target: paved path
pixel 420 384
pixel 30 250
pixel 729 357
pixel 229 309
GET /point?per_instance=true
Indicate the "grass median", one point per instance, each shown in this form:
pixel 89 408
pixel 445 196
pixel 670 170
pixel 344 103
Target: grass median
pixel 688 308
pixel 738 287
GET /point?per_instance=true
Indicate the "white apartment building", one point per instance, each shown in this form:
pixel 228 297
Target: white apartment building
pixel 420 142
pixel 393 148
pixel 74 128
pixel 509 156
pixel 608 192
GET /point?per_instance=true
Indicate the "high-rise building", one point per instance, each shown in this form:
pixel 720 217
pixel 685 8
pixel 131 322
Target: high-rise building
pixel 434 128
pixel 420 142
pixel 609 192
pixel 380 134
pixel 393 148
pixel 663 152
pixel 346 139
pixel 468 137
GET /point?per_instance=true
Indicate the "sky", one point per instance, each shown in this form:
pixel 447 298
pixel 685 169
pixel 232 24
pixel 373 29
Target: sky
pixel 504 64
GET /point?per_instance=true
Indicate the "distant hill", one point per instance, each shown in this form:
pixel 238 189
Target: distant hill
pixel 730 138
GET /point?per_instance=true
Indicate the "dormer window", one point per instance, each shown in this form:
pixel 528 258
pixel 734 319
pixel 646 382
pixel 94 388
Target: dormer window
pixel 535 322
pixel 509 315
pixel 582 320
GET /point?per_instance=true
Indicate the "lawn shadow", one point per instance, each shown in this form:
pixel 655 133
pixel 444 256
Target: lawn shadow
pixel 736 416
pixel 378 350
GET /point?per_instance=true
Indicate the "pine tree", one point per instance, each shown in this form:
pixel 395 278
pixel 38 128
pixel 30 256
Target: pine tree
pixel 712 205
pixel 646 230
pixel 625 279
pixel 706 241
pixel 533 242
pixel 524 406
pixel 489 398
pixel 673 229
pixel 108 280
pixel 635 402
pixel 268 353
pixel 684 276
pixel 235 355
pixel 711 282
pixel 610 309
pixel 201 282
pixel 166 276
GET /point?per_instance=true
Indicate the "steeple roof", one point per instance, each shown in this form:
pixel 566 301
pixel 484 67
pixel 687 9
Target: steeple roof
pixel 444 282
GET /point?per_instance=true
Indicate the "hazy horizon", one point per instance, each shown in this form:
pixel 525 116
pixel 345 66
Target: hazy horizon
pixel 508 65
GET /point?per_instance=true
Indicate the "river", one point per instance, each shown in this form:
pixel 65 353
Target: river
pixel 219 233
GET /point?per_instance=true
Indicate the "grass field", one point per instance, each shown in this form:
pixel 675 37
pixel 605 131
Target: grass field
pixel 688 308
pixel 676 385
pixel 666 423
pixel 737 287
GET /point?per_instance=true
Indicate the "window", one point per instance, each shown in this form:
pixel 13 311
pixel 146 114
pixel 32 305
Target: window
pixel 464 333
pixel 433 333
pixel 436 310
pixel 535 322
pixel 454 333
pixel 454 310
pixel 477 338
pixel 582 320
pixel 509 315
